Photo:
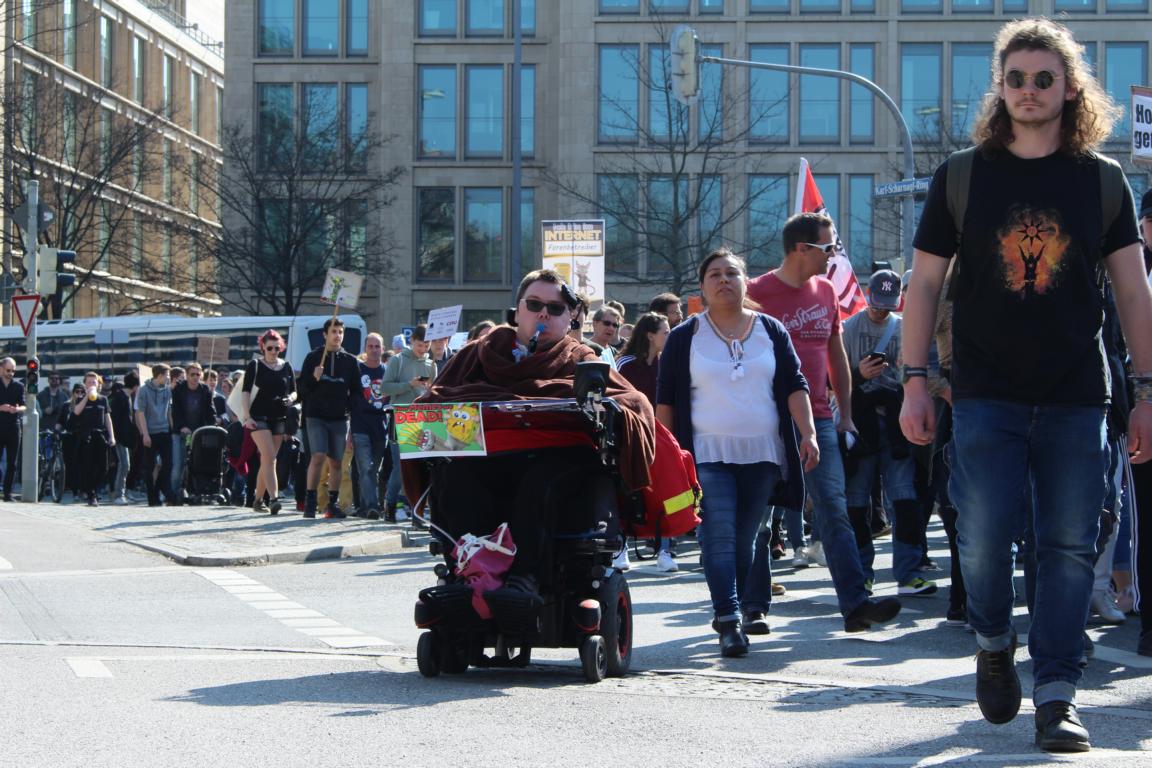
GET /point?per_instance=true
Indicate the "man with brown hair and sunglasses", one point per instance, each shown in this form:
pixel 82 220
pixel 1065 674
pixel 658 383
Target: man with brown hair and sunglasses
pixel 1030 383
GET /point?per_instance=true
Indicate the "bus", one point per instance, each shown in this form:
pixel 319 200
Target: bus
pixel 111 346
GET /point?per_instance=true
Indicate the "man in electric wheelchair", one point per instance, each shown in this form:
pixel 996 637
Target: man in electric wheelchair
pixel 557 487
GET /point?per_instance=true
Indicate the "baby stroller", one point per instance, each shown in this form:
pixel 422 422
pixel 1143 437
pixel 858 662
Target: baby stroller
pixel 205 465
pixel 582 601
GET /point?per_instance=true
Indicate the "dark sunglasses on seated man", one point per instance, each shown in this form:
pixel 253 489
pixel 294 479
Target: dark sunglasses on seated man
pixel 555 308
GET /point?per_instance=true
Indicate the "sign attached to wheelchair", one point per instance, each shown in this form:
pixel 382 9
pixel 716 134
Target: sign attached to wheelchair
pixel 426 430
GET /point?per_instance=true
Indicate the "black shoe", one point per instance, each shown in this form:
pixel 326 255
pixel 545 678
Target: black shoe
pixel 310 507
pixel 756 623
pixel 733 641
pixel 872 612
pixel 92 500
pixel 372 514
pixel 1144 647
pixel 997 685
pixel 334 511
pixel 390 513
pixel 957 617
pixel 274 507
pixel 1058 728
pixel 7 497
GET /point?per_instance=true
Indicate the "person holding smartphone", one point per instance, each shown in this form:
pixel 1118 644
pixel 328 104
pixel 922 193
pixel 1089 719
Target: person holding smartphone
pixel 872 341
pixel 406 377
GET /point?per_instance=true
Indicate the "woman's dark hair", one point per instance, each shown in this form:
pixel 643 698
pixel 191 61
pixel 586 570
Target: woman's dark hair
pixel 270 335
pixel 720 253
pixel 638 344
pixel 475 331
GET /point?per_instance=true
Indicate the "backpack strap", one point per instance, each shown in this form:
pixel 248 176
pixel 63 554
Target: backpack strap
pixel 1112 185
pixel 957 185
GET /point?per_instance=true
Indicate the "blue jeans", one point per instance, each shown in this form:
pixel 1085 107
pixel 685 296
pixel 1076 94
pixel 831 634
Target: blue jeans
pixel 826 486
pixel 897 477
pixel 794 522
pixel 392 490
pixel 1051 461
pixel 368 451
pixel 734 504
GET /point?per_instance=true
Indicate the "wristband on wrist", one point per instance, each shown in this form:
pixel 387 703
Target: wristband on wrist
pixel 1142 390
pixel 912 372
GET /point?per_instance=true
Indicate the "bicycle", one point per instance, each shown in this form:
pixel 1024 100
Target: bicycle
pixel 51 466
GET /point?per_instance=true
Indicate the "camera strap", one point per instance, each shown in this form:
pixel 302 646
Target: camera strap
pixel 889 329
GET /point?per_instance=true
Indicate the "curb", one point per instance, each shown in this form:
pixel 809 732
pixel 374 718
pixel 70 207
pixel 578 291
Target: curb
pixel 389 544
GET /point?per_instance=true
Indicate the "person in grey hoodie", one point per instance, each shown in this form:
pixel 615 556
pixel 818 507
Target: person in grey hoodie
pixel 153 420
pixel 406 377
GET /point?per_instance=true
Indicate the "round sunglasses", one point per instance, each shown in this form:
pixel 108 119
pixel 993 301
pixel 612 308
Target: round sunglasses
pixel 1043 80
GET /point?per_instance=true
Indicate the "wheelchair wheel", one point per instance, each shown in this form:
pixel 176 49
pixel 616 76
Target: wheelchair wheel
pixel 594 658
pixel 428 655
pixel 616 623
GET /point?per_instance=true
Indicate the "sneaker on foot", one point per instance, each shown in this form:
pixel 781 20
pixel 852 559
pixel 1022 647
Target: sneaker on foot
pixel 1126 600
pixel 778 550
pixel 401 515
pixel 372 514
pixel 957 617
pixel 756 623
pixel 868 585
pixel 778 589
pixel 800 558
pixel 333 511
pixel 665 562
pixel 816 554
pixel 120 501
pixel 260 508
pixel 872 612
pixel 997 685
pixel 1103 605
pixel 917 586
pixel 275 507
pixel 1058 728
pixel 620 562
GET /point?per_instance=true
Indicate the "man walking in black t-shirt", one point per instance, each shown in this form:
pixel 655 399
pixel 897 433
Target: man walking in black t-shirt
pixel 1029 380
pixel 11 409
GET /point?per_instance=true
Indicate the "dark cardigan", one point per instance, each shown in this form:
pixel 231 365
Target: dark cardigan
pixel 674 388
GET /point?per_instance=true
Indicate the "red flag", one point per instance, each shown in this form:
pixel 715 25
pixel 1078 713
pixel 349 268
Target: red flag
pixel 848 291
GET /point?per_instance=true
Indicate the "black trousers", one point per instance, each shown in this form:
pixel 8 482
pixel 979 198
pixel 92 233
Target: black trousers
pixel 157 483
pixel 1142 541
pixel 536 493
pixel 10 444
pixel 92 454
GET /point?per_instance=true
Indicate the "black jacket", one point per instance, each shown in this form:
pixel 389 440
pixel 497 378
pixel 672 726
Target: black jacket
pixel 202 416
pixel 332 397
pixel 120 404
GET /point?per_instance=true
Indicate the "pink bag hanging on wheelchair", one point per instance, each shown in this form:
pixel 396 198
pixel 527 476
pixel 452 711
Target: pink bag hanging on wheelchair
pixel 482 561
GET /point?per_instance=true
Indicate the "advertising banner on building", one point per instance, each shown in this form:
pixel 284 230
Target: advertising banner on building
pixel 575 249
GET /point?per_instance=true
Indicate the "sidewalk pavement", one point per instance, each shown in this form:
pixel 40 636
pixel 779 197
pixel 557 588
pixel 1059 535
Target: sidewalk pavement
pixel 210 535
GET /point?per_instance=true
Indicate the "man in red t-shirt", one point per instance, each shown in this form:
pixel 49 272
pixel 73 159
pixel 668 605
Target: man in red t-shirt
pixel 798 295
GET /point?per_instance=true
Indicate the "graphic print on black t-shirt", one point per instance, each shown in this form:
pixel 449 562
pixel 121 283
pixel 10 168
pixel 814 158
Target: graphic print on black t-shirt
pixel 372 387
pixel 1033 250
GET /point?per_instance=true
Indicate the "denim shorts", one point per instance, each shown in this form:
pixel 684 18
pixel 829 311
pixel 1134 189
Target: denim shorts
pixel 327 437
pixel 275 426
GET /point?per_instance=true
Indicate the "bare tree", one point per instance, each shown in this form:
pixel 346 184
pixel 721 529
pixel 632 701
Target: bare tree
pixel 96 160
pixel 674 186
pixel 298 196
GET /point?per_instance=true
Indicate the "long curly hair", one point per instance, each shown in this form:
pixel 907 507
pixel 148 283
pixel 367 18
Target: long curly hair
pixel 1086 121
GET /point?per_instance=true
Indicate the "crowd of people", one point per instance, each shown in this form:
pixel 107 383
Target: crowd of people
pixel 1003 383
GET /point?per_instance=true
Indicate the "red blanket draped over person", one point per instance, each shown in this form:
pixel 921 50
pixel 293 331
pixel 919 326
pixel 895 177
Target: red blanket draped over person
pixel 486 371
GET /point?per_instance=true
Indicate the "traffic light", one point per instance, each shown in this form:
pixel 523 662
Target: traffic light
pixel 685 68
pixel 50 273
pixel 33 374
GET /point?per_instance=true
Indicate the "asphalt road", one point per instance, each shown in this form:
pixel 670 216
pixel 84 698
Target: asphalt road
pixel 114 656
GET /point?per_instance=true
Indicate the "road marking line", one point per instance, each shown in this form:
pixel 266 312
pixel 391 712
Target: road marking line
pixel 88 667
pixel 307 622
pixel 311 622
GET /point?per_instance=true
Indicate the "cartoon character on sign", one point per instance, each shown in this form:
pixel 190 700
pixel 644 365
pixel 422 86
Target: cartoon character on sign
pixel 461 424
pixel 583 282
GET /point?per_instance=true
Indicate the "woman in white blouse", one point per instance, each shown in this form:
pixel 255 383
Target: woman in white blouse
pixel 731 391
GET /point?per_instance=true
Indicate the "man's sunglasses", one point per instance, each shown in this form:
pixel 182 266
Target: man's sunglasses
pixel 555 308
pixel 1043 79
pixel 824 247
pixel 610 323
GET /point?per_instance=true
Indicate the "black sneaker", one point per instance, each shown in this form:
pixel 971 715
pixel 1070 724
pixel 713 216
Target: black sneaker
pixel 1058 728
pixel 756 623
pixel 310 508
pixel 372 514
pixel 1144 647
pixel 997 685
pixel 274 507
pixel 334 511
pixel 872 612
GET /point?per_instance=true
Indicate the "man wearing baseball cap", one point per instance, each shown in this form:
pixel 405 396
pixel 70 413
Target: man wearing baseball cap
pixel 872 341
